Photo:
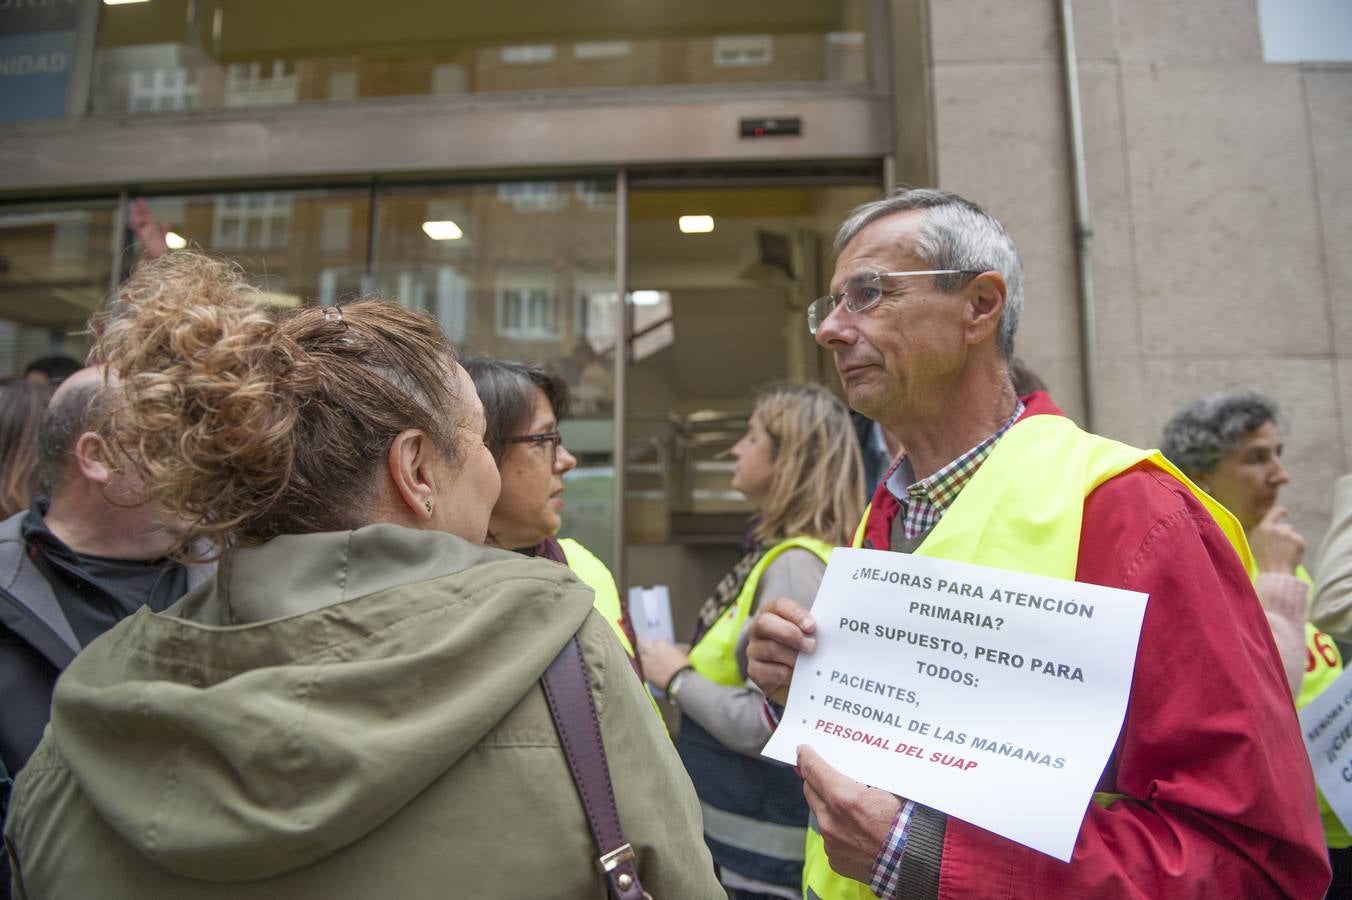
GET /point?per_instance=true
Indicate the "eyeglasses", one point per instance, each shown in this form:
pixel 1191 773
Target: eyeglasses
pixel 545 437
pixel 863 292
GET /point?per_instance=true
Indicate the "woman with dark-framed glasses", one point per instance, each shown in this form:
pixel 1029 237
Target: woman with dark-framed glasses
pixel 523 404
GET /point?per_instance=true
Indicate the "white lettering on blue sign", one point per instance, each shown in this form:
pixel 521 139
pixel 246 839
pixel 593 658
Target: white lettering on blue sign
pixel 29 64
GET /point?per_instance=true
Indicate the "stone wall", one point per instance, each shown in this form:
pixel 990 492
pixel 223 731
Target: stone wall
pixel 1220 197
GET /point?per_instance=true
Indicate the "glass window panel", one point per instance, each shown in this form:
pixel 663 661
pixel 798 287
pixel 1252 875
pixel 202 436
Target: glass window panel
pixel 713 317
pixel 156 57
pixel 55 270
pixel 739 51
pixel 299 246
pixel 335 229
pixel 1306 30
pixel 526 271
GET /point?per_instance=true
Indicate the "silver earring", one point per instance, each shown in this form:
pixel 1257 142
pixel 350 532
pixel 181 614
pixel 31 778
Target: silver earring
pixel 427 505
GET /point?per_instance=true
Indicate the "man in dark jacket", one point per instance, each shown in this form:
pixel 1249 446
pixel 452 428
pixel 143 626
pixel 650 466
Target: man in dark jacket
pixel 87 554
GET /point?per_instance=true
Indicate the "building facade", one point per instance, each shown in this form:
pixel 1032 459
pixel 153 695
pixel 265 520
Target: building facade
pixel 520 170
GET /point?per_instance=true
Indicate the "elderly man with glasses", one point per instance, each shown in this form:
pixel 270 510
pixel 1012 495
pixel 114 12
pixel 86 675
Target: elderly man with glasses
pixel 1208 791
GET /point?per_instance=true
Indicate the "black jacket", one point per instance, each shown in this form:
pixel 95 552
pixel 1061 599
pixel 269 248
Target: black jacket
pixel 36 644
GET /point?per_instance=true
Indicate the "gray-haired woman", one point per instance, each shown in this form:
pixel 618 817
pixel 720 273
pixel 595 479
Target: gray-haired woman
pixel 1230 444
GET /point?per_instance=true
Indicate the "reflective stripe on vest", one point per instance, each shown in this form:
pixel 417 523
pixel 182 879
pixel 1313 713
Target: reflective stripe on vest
pixel 1022 511
pixel 715 656
pixel 596 576
pixel 753 835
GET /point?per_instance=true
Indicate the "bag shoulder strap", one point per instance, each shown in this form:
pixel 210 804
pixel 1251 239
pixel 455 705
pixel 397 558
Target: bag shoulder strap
pixel 574 712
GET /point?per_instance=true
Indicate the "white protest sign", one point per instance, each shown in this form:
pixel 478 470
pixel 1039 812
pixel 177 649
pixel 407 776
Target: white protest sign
pixel 990 695
pixel 650 613
pixel 1327 726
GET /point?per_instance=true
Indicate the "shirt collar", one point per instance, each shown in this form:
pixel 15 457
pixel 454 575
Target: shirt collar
pixel 36 533
pixel 943 487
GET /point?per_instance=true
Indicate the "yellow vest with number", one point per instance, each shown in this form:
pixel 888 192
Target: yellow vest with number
pixel 596 576
pixel 715 656
pixel 1022 511
pixel 1323 665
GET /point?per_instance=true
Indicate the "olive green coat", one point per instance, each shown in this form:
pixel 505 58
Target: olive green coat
pixel 351 714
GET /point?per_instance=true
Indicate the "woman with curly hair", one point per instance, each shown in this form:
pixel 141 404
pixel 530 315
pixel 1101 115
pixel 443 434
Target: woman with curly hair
pixel 352 706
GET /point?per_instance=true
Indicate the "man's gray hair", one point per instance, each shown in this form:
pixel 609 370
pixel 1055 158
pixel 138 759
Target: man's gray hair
pixel 1205 430
pixel 70 414
pixel 956 234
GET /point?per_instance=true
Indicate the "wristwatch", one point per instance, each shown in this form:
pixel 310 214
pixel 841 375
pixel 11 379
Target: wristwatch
pixel 674 685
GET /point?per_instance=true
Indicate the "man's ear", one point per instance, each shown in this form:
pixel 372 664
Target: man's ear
pixel 409 463
pixel 985 304
pixel 91 458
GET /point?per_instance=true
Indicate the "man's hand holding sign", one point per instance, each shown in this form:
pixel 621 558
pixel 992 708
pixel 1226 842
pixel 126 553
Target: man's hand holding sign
pixel 779 633
pixel 854 818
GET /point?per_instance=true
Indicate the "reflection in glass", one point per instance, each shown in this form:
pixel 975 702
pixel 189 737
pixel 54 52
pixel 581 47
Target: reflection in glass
pixel 173 55
pixel 297 246
pixel 55 269
pixel 714 316
pixel 526 273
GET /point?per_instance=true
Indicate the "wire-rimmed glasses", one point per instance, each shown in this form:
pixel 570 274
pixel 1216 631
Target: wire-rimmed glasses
pixel 863 291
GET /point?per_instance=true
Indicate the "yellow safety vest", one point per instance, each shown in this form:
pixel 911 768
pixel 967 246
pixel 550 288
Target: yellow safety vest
pixel 715 656
pixel 593 573
pixel 596 576
pixel 1323 665
pixel 1022 511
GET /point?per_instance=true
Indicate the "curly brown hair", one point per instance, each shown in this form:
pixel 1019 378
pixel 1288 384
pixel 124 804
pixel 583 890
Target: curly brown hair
pixel 249 426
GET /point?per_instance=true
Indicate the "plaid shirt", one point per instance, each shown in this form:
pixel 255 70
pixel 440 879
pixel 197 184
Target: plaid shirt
pixel 922 506
pixel 923 502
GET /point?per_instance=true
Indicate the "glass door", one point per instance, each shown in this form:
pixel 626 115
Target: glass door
pixel 719 278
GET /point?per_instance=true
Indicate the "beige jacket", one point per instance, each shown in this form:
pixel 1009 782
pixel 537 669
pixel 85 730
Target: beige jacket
pixel 1331 602
pixel 351 714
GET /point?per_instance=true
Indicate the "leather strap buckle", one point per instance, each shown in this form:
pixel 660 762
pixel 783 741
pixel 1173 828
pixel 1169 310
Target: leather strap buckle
pixel 616 858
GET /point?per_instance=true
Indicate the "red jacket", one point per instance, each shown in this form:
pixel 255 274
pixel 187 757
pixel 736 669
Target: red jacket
pixel 1220 799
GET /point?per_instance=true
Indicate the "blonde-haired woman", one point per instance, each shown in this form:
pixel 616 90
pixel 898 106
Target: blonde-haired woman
pixel 22 404
pixel 352 706
pixel 799 464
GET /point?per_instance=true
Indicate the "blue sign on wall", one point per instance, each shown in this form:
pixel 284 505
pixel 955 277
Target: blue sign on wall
pixel 37 49
pixel 34 74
